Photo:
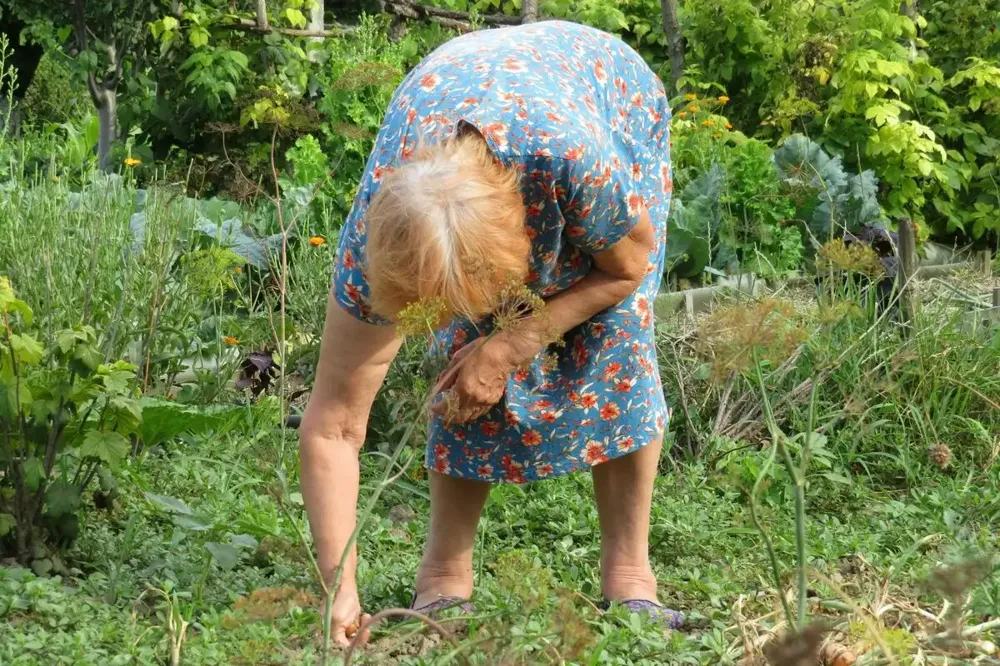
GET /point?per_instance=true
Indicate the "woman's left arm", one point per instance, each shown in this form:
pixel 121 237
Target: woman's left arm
pixel 480 377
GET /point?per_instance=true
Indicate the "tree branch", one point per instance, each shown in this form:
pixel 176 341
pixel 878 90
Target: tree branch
pixel 261 21
pixel 449 18
pixel 249 25
pixel 95 91
pixel 80 24
pixel 675 41
pixel 529 11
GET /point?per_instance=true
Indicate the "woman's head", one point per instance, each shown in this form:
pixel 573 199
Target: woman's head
pixel 449 224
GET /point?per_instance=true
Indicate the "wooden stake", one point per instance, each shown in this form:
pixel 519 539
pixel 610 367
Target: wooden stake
pixel 907 268
pixel 984 261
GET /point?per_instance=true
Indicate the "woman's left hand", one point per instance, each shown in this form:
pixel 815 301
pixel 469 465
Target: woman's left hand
pixel 475 380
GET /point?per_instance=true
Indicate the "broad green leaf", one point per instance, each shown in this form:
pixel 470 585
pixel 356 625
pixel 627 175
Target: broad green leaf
pixel 10 303
pixel 34 472
pixel 193 523
pixel 171 504
pixel 61 498
pixel 198 36
pixel 117 377
pixel 883 113
pixel 295 17
pixel 26 349
pixel 169 23
pixel 89 355
pixel 243 541
pixel 109 446
pixel 7 523
pixel 164 420
pixel 66 340
pixel 224 554
pixel 127 413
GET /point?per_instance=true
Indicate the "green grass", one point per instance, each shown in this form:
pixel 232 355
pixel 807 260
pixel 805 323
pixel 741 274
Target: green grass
pixel 706 554
pixel 880 517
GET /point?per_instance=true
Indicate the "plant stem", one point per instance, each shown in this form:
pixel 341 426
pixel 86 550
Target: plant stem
pixel 389 612
pixel 775 568
pixel 798 481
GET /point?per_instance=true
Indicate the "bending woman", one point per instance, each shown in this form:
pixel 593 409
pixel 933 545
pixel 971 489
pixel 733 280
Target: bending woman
pixel 541 152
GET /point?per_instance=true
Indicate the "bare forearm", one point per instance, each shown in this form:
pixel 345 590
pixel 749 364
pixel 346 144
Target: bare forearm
pixel 595 293
pixel 330 478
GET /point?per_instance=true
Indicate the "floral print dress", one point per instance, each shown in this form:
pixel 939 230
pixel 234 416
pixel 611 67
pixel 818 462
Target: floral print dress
pixel 587 123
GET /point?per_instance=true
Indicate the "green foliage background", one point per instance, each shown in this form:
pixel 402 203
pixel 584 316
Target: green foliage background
pixel 912 96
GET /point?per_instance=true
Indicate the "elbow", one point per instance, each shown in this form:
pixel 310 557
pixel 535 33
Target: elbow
pixel 626 285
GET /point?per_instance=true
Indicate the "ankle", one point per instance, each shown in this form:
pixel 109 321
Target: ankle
pixel 622 582
pixel 443 580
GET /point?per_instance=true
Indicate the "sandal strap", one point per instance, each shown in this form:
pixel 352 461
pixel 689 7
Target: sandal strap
pixel 443 604
pixel 657 612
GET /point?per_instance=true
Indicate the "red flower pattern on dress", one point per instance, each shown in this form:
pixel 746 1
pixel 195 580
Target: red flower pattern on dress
pixel 610 411
pixel 593 453
pixel 602 397
pixel 531 438
pixel 429 82
pixel 611 370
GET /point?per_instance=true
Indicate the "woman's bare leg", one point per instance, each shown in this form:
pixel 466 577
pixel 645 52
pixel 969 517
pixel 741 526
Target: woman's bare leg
pixel 624 491
pixel 446 569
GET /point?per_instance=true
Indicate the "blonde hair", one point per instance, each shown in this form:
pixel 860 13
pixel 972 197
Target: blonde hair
pixel 448 223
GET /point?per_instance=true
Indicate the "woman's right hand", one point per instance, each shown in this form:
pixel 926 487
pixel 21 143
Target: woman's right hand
pixel 346 618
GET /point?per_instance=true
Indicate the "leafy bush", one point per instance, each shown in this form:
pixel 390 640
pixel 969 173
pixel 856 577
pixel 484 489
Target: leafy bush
pixel 66 417
pixel 829 199
pixel 732 211
pixel 55 94
pixel 756 230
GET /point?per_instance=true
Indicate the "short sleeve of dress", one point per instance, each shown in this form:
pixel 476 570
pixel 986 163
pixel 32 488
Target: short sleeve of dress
pixel 599 200
pixel 350 282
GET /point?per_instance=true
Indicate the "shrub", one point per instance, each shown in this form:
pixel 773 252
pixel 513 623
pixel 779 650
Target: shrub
pixel 55 94
pixel 66 417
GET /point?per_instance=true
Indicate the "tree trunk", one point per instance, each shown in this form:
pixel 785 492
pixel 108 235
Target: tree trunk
pixel 675 41
pixel 262 15
pixel 105 98
pixel 316 18
pixel 909 9
pixel 529 11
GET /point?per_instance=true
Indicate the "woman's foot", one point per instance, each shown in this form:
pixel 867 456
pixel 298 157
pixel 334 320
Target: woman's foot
pixel 442 604
pixel 658 613
pixel 627 578
pixel 438 582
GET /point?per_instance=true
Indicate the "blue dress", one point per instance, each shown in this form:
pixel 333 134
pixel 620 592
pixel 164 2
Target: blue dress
pixel 587 122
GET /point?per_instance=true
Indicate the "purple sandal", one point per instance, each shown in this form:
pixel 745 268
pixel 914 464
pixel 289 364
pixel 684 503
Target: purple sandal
pixel 443 604
pixel 657 612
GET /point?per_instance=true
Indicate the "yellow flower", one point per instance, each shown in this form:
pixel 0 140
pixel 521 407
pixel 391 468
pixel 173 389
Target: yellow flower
pixel 682 114
pixel 690 96
pixel 132 162
pixel 707 123
pixel 723 99
pixel 693 109
pixel 316 241
pixel 239 269
pixel 717 135
pixel 729 126
pixel 230 340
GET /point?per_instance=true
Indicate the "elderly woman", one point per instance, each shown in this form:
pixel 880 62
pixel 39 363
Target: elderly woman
pixel 541 152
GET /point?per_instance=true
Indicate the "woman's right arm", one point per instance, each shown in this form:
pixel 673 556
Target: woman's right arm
pixel 353 361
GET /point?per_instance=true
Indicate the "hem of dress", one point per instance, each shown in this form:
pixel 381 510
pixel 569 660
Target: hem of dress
pixel 578 466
